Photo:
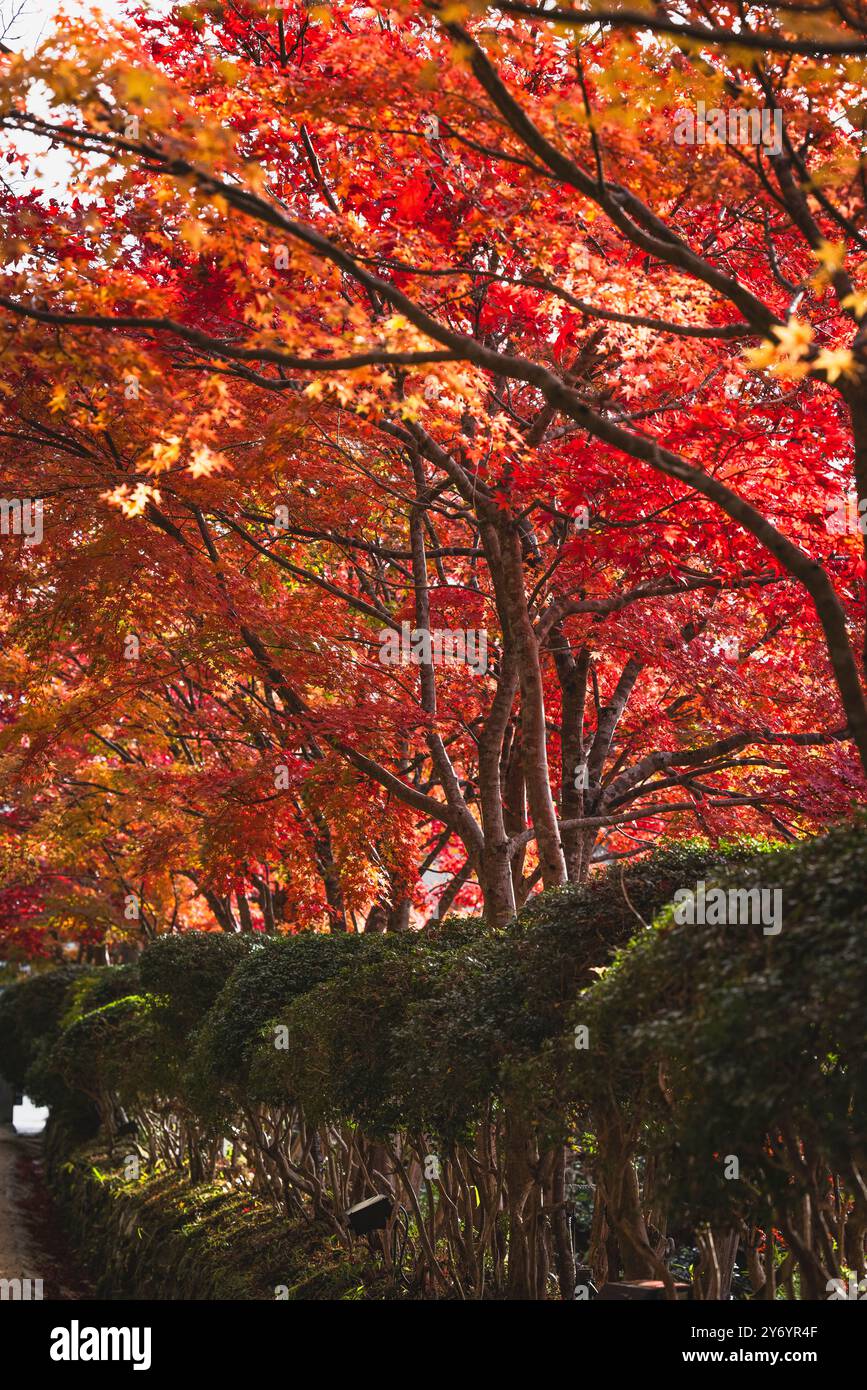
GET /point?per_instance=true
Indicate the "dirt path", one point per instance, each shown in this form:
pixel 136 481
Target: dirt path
pixel 31 1246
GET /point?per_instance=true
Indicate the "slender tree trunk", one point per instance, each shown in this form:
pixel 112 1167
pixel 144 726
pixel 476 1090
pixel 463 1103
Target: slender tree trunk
pixel 519 1184
pixel 560 1226
pixel 495 869
pixel 534 735
pixel 573 684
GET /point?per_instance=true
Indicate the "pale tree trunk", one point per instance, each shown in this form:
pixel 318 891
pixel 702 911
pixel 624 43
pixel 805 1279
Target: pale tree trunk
pixel 495 869
pixel 534 737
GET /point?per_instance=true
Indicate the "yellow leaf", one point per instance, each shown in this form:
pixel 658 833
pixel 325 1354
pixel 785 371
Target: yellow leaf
pixel 162 456
pixel 205 462
pixel 830 255
pixel 763 356
pixel 131 502
pixel 137 85
pixel 857 302
pixel 794 337
pixel 835 362
pixel 229 71
pixel 195 234
pixel 790 368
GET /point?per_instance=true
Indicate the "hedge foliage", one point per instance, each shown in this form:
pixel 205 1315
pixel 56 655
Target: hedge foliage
pixel 705 1041
pixel 762 1038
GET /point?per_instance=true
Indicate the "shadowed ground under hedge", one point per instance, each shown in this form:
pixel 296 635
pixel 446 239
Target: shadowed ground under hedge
pixel 161 1238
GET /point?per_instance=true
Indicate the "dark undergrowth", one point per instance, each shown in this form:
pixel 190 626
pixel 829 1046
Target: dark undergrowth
pixel 159 1237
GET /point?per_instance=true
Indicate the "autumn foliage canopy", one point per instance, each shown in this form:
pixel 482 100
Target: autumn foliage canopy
pixel 353 322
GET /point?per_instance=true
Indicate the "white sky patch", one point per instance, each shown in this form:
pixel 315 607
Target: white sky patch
pixel 36 19
pixel 29 1118
pixel 24 24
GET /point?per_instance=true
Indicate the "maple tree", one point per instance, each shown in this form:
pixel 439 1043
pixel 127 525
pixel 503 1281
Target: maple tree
pixel 367 319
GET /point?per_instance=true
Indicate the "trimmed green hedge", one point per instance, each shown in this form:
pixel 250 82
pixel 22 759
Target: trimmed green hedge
pixel 761 1037
pixel 707 1041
